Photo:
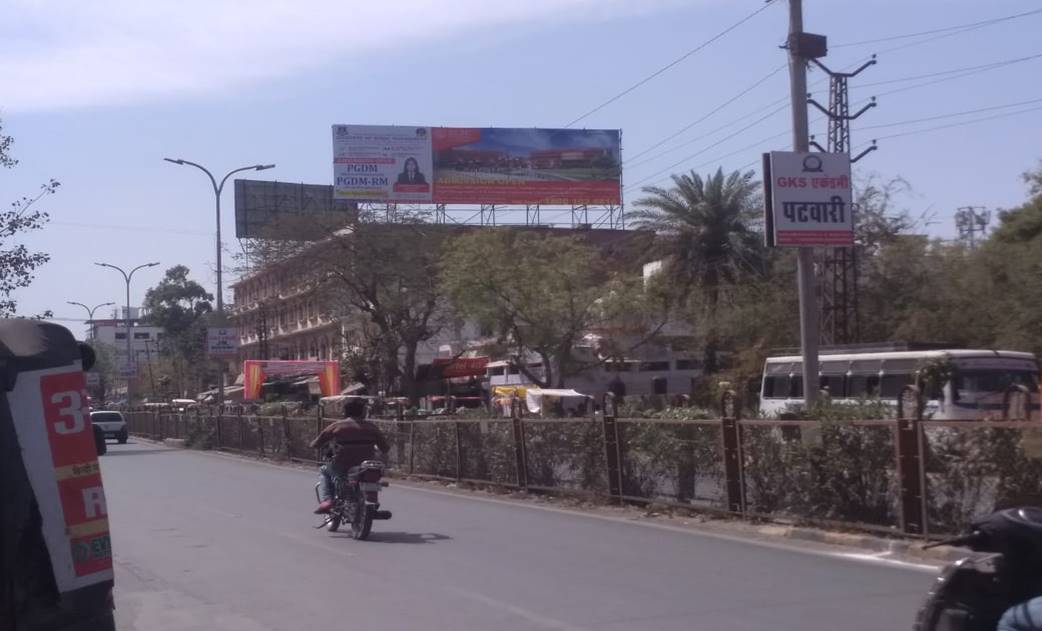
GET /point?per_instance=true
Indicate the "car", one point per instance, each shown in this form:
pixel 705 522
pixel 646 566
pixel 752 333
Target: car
pixel 112 424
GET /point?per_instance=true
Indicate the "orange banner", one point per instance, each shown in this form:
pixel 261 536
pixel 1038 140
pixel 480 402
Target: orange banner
pixel 255 371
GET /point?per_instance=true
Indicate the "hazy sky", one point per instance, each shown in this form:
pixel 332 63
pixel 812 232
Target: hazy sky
pixel 97 93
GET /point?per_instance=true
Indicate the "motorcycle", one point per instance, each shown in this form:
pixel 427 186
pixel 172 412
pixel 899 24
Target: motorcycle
pixel 972 593
pixel 356 499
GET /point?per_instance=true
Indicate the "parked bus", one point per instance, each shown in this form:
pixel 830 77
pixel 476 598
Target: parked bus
pixel 980 379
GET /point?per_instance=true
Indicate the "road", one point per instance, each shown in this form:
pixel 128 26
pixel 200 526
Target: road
pixel 207 541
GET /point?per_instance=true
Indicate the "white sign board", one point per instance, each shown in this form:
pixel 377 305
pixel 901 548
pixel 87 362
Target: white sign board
pixel 382 163
pixel 221 342
pixel 808 199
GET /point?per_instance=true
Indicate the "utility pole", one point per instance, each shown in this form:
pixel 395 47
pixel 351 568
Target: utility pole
pixel 805 271
pixel 840 322
pixel 971 220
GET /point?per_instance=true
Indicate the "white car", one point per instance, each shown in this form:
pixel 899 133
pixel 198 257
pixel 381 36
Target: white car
pixel 112 424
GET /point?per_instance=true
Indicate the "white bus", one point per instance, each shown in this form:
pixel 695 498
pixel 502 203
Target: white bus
pixel 977 389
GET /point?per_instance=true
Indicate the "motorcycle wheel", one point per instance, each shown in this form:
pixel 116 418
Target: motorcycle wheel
pixel 362 524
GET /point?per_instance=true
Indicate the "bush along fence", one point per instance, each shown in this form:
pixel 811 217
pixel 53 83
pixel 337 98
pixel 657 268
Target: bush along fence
pixel 902 475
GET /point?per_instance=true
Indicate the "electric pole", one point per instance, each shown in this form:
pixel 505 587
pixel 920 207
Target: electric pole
pixel 840 322
pixel 971 221
pixel 805 270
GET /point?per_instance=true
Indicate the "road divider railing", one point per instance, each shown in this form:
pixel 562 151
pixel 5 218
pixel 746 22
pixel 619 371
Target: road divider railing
pixel 904 475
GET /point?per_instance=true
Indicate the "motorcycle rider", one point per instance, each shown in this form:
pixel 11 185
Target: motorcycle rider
pixel 352 440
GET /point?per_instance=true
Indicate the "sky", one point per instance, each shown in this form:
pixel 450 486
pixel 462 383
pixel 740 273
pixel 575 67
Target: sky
pixel 96 94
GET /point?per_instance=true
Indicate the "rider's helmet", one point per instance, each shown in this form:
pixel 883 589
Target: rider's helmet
pixel 355 408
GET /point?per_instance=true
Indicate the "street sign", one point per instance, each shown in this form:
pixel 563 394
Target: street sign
pixel 222 343
pixel 808 199
pixel 93 379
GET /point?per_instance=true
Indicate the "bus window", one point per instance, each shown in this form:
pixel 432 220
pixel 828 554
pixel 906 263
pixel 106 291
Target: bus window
pixel 862 386
pixel 795 387
pixel 835 385
pixel 776 387
pixel 892 385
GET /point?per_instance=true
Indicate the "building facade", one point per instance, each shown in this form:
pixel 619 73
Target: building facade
pixel 144 340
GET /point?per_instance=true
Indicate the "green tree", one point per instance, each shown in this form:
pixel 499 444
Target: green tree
pixel 181 307
pixel 709 237
pixel 541 294
pixel 18 264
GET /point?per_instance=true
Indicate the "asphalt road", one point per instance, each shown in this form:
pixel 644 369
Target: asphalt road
pixel 205 541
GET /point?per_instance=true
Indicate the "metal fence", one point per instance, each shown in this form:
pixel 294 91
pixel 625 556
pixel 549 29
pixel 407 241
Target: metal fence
pixel 905 475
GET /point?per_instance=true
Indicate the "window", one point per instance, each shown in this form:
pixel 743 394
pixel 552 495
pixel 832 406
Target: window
pixel 688 364
pixel 654 366
pixel 498 371
pixel 616 367
pixel 776 387
pixel 795 387
pixel 835 384
pixel 142 336
pixel 892 385
pixel 121 336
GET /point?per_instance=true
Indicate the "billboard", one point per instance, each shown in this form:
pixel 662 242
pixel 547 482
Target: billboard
pixel 466 165
pixel 281 210
pixel 222 342
pixel 808 199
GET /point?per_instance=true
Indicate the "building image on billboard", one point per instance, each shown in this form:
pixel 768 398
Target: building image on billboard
pixel 477 165
pixel 526 166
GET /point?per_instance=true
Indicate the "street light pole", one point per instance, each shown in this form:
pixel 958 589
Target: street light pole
pixel 127 277
pixel 90 313
pixel 217 190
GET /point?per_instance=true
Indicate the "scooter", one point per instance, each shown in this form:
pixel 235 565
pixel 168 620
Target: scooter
pixel 972 593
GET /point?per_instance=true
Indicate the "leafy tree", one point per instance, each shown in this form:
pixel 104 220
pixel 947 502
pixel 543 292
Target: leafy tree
pixel 17 263
pixel 541 294
pixel 181 306
pixel 709 236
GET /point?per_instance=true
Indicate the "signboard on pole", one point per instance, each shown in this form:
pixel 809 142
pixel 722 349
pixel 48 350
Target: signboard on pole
pixel 222 343
pixel 465 165
pixel 808 199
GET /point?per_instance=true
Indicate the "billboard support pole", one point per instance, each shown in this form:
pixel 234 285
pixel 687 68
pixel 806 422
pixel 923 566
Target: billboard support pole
pixel 805 261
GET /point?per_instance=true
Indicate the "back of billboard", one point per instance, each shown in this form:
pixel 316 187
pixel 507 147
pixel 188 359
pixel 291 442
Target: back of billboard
pixel 281 210
pixel 464 165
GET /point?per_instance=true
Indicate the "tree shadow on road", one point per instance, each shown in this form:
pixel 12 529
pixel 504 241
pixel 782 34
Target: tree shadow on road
pixel 406 537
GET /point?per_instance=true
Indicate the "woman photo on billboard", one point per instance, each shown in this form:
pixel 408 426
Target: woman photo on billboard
pixel 411 173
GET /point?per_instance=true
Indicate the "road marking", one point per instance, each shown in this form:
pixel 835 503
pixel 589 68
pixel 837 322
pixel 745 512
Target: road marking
pixel 863 558
pixel 525 614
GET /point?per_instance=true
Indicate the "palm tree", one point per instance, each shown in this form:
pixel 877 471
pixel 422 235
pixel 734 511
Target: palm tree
pixel 709 235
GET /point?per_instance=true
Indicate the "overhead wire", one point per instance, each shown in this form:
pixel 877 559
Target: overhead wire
pixel 710 113
pixel 673 63
pixel 959 28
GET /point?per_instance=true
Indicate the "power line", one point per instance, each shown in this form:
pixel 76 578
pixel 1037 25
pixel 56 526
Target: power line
pixel 961 123
pixel 952 115
pixel 718 142
pixel 729 101
pixel 674 62
pixel 981 67
pixel 957 28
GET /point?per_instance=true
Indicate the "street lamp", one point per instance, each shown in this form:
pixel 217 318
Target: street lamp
pixel 217 189
pixel 127 278
pixel 90 312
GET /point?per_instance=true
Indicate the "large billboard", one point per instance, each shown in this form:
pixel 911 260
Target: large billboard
pixel 283 210
pixel 464 165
